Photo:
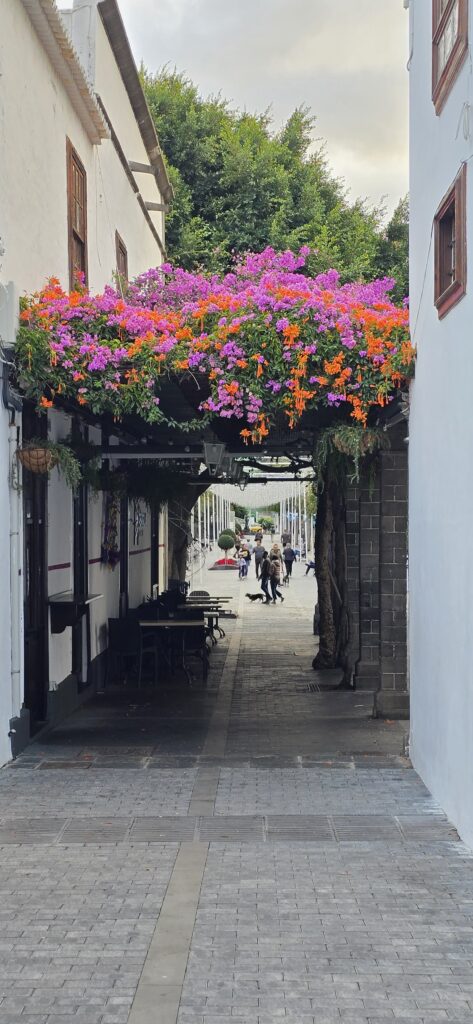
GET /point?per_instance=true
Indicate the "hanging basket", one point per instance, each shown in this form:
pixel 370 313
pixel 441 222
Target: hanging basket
pixel 37 460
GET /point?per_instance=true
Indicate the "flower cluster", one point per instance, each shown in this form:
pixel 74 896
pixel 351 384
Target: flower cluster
pixel 261 340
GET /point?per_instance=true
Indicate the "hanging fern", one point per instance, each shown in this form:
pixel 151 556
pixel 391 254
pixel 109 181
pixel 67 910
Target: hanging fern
pixel 345 445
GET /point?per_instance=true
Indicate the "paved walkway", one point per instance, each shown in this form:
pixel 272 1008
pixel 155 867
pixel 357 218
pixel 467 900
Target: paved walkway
pixel 250 853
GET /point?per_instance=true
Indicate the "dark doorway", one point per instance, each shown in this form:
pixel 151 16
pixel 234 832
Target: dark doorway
pixel 80 632
pixel 35 579
pixel 124 556
pixel 154 549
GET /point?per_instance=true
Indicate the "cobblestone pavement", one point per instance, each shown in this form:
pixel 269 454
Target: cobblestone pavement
pixel 253 852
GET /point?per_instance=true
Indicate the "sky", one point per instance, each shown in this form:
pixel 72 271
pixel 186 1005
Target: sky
pixel 346 59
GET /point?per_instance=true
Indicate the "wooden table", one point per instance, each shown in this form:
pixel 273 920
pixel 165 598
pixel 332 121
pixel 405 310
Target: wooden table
pixel 211 611
pixel 182 624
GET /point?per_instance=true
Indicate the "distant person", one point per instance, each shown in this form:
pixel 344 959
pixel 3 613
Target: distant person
pixel 258 535
pixel 289 557
pixel 285 539
pixel 246 554
pixel 259 554
pixel 265 571
pixel 275 577
pixel 242 566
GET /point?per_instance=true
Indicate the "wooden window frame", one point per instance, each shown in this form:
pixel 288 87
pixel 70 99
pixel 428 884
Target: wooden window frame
pixel 448 297
pixel 442 85
pixel 120 247
pixel 73 158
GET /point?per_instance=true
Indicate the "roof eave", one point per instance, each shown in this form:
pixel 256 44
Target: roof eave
pixel 46 21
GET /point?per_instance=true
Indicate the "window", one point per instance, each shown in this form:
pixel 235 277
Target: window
pixel 77 215
pixel 450 246
pixel 449 46
pixel 122 257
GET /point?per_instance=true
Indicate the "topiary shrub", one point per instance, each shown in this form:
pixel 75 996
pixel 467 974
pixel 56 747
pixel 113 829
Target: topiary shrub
pixel 226 542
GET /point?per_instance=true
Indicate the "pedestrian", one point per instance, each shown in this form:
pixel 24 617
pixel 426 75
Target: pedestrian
pixel 260 552
pixel 289 557
pixel 242 567
pixel 310 565
pixel 275 577
pixel 265 570
pixel 245 551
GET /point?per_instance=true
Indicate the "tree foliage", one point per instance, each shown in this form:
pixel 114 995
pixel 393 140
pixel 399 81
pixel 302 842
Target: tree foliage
pixel 240 186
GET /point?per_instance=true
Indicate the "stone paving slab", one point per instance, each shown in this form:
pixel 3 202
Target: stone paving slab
pixel 325 885
pixel 338 934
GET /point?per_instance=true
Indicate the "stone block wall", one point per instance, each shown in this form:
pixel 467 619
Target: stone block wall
pixel 377 577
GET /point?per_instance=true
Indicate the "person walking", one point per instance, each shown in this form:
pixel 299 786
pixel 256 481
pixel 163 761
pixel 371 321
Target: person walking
pixel 246 553
pixel 289 557
pixel 275 577
pixel 259 553
pixel 265 575
pixel 242 567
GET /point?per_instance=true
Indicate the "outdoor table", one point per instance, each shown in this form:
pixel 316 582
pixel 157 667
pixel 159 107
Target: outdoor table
pixel 211 611
pixel 183 625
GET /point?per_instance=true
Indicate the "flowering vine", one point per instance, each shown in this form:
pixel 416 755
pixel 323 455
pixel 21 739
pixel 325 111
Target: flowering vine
pixel 263 340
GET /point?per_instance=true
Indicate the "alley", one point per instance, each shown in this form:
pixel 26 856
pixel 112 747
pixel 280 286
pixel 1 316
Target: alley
pixel 254 851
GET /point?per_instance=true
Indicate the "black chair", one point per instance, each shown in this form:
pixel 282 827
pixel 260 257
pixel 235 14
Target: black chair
pixel 127 646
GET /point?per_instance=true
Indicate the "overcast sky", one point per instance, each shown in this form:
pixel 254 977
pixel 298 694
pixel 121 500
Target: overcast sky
pixel 346 59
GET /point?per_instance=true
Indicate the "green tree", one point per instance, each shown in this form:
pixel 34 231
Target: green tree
pixel 392 259
pixel 241 186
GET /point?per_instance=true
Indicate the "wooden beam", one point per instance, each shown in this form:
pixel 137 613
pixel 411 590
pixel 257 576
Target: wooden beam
pixel 158 207
pixel 134 165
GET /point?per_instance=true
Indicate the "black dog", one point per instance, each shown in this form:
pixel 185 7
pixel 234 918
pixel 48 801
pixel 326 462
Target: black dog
pixel 255 597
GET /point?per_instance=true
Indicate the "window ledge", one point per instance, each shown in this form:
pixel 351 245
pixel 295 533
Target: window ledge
pixel 449 298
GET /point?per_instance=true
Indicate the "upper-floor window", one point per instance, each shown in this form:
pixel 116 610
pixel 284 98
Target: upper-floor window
pixel 450 246
pixel 449 46
pixel 122 257
pixel 77 216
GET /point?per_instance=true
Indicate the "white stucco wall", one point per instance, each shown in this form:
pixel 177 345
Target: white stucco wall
pixel 440 447
pixel 139 557
pixel 6 704
pixel 36 118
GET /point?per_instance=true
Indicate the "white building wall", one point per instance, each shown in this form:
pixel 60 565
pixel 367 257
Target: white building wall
pixel 36 118
pixel 6 696
pixel 139 559
pixel 440 447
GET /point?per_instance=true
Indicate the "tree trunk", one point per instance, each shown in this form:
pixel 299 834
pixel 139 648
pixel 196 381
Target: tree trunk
pixel 327 653
pixel 344 656
pixel 332 578
pixel 179 532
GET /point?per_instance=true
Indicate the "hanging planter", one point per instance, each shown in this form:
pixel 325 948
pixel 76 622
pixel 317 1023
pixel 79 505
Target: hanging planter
pixel 41 456
pixel 37 460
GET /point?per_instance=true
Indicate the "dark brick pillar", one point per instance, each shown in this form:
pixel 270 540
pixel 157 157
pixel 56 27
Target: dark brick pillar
pixel 392 699
pixel 353 565
pixel 367 671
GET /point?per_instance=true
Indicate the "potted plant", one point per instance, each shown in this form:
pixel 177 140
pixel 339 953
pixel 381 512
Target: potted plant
pixel 39 455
